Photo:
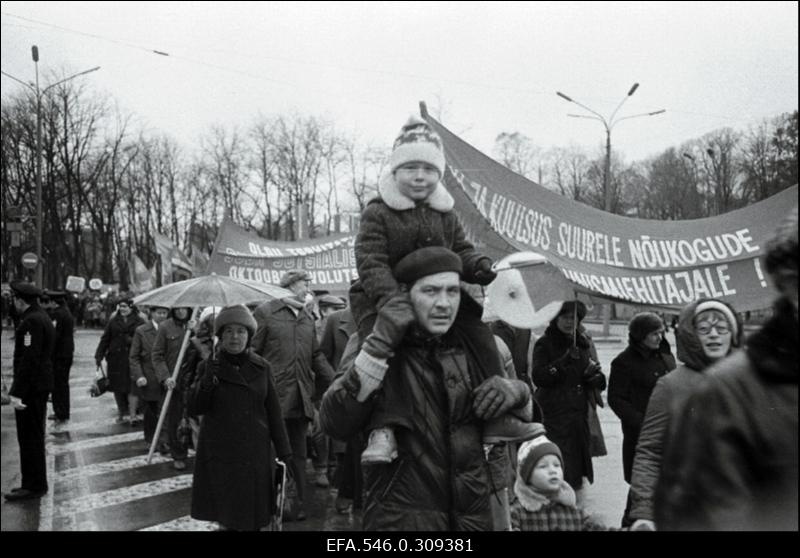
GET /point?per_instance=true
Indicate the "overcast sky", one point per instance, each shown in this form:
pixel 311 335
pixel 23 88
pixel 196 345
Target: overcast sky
pixel 493 67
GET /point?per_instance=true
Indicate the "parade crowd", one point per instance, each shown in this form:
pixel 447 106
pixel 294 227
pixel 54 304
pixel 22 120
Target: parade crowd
pixel 423 416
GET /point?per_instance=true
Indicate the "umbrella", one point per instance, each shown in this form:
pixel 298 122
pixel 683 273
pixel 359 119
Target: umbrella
pixel 528 291
pixel 210 290
pixel 207 290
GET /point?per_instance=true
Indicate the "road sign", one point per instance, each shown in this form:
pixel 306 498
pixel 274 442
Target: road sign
pixel 29 260
pixel 95 284
pixel 75 284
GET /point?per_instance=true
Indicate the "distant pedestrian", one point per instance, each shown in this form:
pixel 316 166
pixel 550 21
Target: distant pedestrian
pixel 544 500
pixel 34 340
pixel 233 477
pixel 286 339
pixel 166 350
pixel 698 346
pixel 634 373
pixel 732 463
pixel 567 375
pixel 114 347
pixel 62 355
pixel 144 376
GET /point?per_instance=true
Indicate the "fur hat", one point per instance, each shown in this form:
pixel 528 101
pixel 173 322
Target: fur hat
pixel 293 276
pixel 238 314
pixel 417 142
pixel 722 309
pixel 642 325
pixel 532 451
pixel 332 300
pixel 426 261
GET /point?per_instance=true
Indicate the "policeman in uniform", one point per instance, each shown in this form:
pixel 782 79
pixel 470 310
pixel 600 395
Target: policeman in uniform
pixel 34 341
pixel 62 356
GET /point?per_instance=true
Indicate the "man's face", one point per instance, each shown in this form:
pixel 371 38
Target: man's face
pixel 301 288
pixel 19 304
pixel 416 180
pixel 435 299
pixel 159 314
pixel 124 309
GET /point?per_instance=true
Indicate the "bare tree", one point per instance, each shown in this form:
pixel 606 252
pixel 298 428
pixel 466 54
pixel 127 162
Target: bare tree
pixel 518 152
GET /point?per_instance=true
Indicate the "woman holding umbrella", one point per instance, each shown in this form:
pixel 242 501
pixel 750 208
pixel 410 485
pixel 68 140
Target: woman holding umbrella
pixel 567 374
pixel 234 467
pixel 115 346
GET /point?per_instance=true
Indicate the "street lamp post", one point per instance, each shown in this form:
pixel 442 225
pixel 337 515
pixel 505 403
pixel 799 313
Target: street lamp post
pixel 39 94
pixel 609 125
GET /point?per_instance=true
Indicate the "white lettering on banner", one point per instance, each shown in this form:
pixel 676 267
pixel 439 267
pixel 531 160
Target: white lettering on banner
pixel 649 253
pixel 582 244
pixel 678 288
pixel 273 276
pixel 261 250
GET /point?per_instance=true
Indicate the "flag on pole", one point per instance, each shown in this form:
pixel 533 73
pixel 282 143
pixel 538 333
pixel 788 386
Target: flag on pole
pixel 528 291
pixel 141 278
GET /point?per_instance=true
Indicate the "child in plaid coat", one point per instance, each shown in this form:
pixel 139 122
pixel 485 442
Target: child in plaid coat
pixel 545 502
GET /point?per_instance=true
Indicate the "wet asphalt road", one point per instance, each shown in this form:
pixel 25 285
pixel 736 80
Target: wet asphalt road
pixel 100 481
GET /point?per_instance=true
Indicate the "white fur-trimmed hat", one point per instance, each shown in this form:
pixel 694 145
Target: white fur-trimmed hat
pixel 417 142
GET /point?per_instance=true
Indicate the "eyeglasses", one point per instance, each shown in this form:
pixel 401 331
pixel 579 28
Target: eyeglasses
pixel 705 328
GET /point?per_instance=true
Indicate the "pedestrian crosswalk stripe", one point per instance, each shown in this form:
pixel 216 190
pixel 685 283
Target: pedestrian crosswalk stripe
pixel 93 424
pixel 123 495
pixel 185 523
pixel 58 449
pixel 116 466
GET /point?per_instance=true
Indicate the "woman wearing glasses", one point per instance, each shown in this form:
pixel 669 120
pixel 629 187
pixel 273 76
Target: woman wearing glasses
pixel 708 330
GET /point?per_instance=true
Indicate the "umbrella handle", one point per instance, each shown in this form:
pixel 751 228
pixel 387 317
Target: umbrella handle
pixel 168 398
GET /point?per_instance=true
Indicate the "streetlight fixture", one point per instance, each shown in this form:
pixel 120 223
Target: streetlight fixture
pixel 609 125
pixel 39 94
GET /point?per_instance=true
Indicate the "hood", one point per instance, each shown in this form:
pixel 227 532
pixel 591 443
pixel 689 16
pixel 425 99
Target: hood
pixel 773 349
pixel 690 351
pixel 439 200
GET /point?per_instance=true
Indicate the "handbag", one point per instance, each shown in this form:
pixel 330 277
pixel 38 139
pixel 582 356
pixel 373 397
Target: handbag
pixel 101 382
pixel 597 444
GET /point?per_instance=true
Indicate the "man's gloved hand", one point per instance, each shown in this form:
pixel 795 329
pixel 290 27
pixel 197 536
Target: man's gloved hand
pixel 390 327
pixel 141 382
pixel 169 383
pixel 484 274
pixel 496 396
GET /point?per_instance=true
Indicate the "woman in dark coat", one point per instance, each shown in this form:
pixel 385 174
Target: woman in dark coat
pixel 565 373
pixel 234 468
pixel 115 346
pixel 633 376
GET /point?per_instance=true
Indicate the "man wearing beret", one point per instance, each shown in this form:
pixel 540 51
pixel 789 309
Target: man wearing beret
pixel 439 480
pixel 62 354
pixel 287 339
pixel 34 340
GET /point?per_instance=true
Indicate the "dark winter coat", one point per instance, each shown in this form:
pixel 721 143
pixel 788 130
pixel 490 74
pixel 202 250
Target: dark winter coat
pixel 289 343
pixel 34 340
pixel 338 330
pixel 167 347
pixel 440 480
pixel 65 332
pixel 115 346
pixel 234 466
pixel 731 462
pixel 667 402
pixel 634 373
pixel 563 393
pixel 198 350
pixel 141 362
pixel 392 226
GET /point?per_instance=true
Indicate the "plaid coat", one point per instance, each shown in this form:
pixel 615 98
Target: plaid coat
pixel 553 516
